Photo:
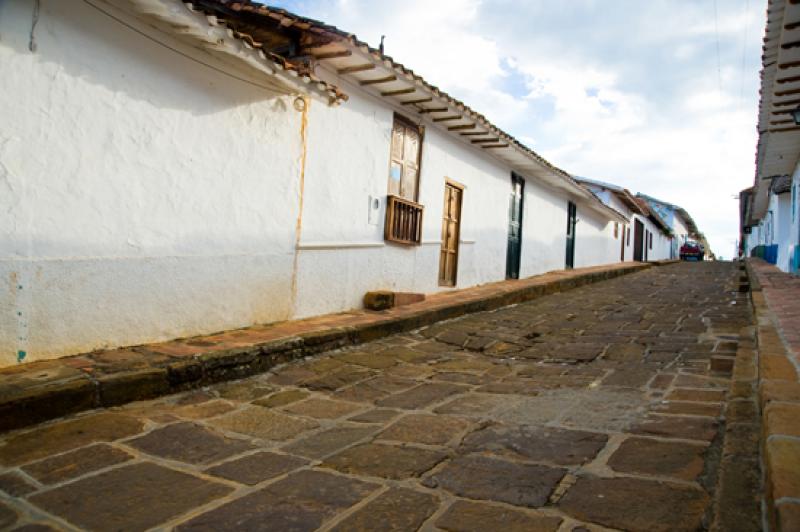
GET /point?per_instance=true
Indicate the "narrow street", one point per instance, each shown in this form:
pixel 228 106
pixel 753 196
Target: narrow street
pixel 591 409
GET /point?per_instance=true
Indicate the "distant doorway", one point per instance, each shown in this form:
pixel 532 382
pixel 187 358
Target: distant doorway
pixel 638 241
pixel 515 206
pixel 622 246
pixel 572 219
pixel 451 229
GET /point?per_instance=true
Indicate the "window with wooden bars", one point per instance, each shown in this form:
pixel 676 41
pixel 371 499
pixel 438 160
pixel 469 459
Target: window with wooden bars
pixel 403 213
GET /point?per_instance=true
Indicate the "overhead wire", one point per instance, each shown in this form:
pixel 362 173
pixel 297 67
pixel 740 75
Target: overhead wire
pixel 716 34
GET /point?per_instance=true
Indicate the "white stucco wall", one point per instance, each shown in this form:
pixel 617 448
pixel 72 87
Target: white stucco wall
pixel 147 194
pixel 143 196
pixel 347 164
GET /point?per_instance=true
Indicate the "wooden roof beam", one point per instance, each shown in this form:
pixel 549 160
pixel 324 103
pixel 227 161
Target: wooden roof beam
pixel 332 55
pixel 355 68
pixel 461 127
pixel 387 79
pixel 418 100
pixel 448 118
pixel 485 141
pixel 434 110
pixel 490 146
pixel 398 92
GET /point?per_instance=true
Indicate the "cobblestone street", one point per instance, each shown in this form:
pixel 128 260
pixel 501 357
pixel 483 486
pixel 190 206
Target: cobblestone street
pixel 603 407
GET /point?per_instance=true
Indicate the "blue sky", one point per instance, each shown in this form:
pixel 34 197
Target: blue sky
pixel 659 96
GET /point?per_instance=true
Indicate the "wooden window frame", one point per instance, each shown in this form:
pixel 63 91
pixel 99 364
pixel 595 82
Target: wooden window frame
pixel 407 122
pixel 616 230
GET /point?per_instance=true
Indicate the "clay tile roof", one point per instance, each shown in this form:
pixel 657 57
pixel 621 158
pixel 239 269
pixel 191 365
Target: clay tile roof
pixel 243 22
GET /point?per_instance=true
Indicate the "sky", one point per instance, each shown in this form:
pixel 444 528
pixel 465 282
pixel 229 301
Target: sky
pixel 658 96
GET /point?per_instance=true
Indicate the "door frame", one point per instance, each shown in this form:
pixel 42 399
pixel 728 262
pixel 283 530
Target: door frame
pixel 515 179
pixel 622 245
pixel 460 187
pixel 638 240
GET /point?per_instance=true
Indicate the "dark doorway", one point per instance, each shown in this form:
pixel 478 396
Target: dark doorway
pixel 515 205
pixel 622 246
pixel 638 240
pixel 572 218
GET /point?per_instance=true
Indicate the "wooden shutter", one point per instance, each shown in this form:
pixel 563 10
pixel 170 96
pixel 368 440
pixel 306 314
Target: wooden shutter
pixel 404 163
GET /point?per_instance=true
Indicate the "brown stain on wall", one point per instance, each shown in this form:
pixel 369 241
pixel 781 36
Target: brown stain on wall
pixel 299 225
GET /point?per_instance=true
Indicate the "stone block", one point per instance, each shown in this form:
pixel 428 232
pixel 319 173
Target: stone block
pixel 468 516
pixel 722 364
pixel 133 497
pixel 124 387
pixel 76 463
pixel 67 435
pixel 776 367
pixel 782 418
pixel 479 477
pixel 635 504
pixel 783 468
pixel 385 461
pixel 379 300
pixel 396 510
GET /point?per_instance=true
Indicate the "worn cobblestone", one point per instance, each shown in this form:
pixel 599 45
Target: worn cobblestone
pixel 530 411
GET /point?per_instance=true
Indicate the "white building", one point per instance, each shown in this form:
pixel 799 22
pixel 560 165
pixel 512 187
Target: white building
pixel 645 236
pixel 170 169
pixel 774 237
pixel 681 224
pixel 769 217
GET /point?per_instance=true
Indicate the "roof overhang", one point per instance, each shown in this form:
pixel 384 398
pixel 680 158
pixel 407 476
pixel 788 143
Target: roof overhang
pixel 336 55
pixel 779 137
pixel 195 27
pixel 380 76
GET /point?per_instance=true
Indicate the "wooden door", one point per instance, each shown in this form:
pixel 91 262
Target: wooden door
pixel 572 219
pixel 514 249
pixel 638 241
pixel 451 228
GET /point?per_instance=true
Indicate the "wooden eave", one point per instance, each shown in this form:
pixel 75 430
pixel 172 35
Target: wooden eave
pixel 778 148
pixel 436 109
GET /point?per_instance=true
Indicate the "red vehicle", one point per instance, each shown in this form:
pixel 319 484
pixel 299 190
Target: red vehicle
pixel 692 251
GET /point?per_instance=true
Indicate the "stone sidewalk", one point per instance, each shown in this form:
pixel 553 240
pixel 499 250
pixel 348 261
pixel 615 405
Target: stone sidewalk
pixel 611 406
pixel 776 300
pixel 38 391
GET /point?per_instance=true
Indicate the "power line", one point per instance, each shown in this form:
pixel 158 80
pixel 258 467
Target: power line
pixel 744 49
pixel 716 34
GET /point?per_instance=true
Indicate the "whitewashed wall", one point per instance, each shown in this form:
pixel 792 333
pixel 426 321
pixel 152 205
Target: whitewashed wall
pixel 142 196
pixel 347 164
pixel 146 195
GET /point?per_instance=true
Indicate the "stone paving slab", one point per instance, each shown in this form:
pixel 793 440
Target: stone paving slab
pixel 440 437
pixel 35 392
pixel 776 302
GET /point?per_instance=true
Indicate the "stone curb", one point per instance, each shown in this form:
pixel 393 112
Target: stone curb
pixel 779 402
pixel 40 391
